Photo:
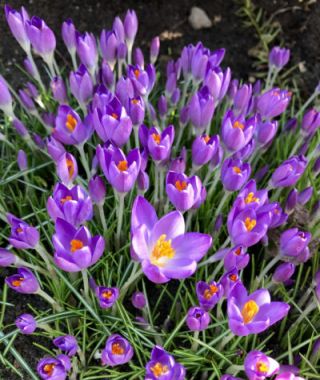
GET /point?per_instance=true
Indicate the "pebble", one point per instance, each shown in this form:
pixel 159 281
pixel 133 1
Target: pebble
pixel 198 19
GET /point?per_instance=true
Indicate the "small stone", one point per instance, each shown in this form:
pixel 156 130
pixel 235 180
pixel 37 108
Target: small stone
pixel 198 19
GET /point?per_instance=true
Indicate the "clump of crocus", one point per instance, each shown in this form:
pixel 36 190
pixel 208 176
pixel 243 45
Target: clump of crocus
pixel 117 351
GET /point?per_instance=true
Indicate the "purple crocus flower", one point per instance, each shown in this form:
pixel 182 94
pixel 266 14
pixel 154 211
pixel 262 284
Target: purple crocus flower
pixel 283 272
pixel 18 125
pixel 16 21
pixel 278 57
pixel 23 282
pixel 310 122
pixel 69 129
pixel 26 324
pixel 117 351
pixel 234 174
pixel 136 110
pixel 138 300
pixel 154 49
pixel 162 246
pixel 237 257
pixel 288 376
pixel 289 172
pixel 54 368
pixel 121 171
pixel 68 32
pixel 67 168
pixel 258 366
pixel 22 236
pixel 73 205
pixel 229 280
pixel 294 245
pixel 106 296
pixel 109 45
pixel 201 109
pixel 97 190
pixel 87 50
pixel 197 319
pixel 183 191
pixel 142 80
pixel 265 132
pixel 75 249
pixel 254 313
pixel 59 90
pixel 305 195
pixel 209 294
pixel 7 258
pixel 163 366
pixel 292 200
pixel 273 103
pixel 159 144
pixel 81 85
pixel 278 217
pixel 204 148
pixel 250 196
pixel 217 82
pixel 67 343
pixel 22 160
pixel 5 98
pixel 229 377
pixel 130 26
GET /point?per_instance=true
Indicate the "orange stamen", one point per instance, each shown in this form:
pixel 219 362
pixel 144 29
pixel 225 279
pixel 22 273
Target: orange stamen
pixel 249 311
pixel 71 123
pixel 49 368
pixel 115 116
pixel 180 185
pixel 233 277
pixel 122 165
pixel 18 282
pixel 116 349
pixel 65 199
pixel 206 139
pixel 137 73
pixel 236 169
pixel 237 124
pixel 70 166
pixel 250 224
pixel 75 245
pixel 156 137
pixel 159 369
pixel 107 294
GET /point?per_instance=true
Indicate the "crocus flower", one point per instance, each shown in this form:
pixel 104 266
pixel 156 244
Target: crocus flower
pixel 162 246
pixel 310 122
pixel 26 324
pixel 130 26
pixel 283 272
pixel 18 125
pixel 69 129
pixel 22 236
pixel 68 32
pixel 97 190
pixel 289 172
pixel 117 351
pixel 23 282
pixel 58 89
pixel 73 205
pixel 106 296
pixel 201 109
pixel 81 85
pixel 183 191
pixel 229 377
pixel 251 197
pixel 87 50
pixel 242 99
pixel 229 281
pixel 22 160
pixel 67 168
pixel 67 343
pixel 197 319
pixel 237 257
pixel 209 294
pixel 138 300
pixel 278 57
pixel 292 200
pixel 121 171
pixel 163 366
pixel 217 82
pixel 5 98
pixel 294 245
pixel 203 149
pixel 16 21
pixel 278 217
pixel 109 44
pixel 143 80
pixel 273 103
pixel 288 376
pixel 305 195
pixel 154 49
pixel 234 174
pixel 136 110
pixel 254 313
pixel 265 132
pixel 75 249
pixel 7 258
pixel 258 366
pixel 54 368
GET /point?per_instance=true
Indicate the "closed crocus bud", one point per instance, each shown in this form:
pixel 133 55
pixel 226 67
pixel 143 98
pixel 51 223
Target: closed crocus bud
pixel 217 157
pixel 136 110
pixel 54 368
pixel 81 85
pixel 26 324
pixel 22 160
pixel 265 132
pixel 292 200
pixel 241 99
pixel 154 49
pixel 217 83
pixel 197 319
pixel 67 168
pixel 258 366
pixel 107 297
pixel 55 148
pixel 209 294
pixel 305 195
pixel 203 149
pixel 69 35
pixel 5 98
pixel 162 106
pixel 130 26
pixel 143 181
pixel 117 351
pixel 29 67
pixel 260 174
pixel 138 300
pixel 7 258
pixel 175 96
pixel 106 75
pixel 87 50
pixel 16 21
pixel 273 103
pixel 218 223
pixel 294 245
pixel 122 51
pixel 179 164
pixel 289 172
pixel 138 57
pixel 23 282
pixel 291 125
pixel 58 89
pixel 67 343
pixel 23 236
pixel 201 109
pixel 97 190
pixel 20 127
pixel 278 57
pixel 234 174
pixel 283 272
pixel 310 122
pixel 237 257
pixel 109 45
pixel 38 140
pixel 41 37
pixel 171 84
pixel 27 100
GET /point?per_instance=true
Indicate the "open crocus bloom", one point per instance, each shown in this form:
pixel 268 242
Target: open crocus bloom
pixel 254 313
pixel 258 366
pixel 162 246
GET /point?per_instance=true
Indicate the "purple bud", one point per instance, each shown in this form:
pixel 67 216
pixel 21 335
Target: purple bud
pixel 118 29
pixel 32 90
pixel 55 148
pixel 67 343
pixel 22 160
pixel 154 49
pixel 305 195
pixel 29 67
pixel 5 98
pixel 26 324
pixel 279 57
pixel 283 272
pixel 38 140
pixel 197 319
pixel 106 75
pixel 16 21
pixel 97 190
pixel 58 89
pixel 310 122
pixel 67 168
pixel 41 37
pixel 138 57
pixel 81 85
pixel 69 35
pixel 291 124
pixel 266 131
pixel 162 106
pixel 316 166
pixel 138 300
pixel 175 96
pixel 122 51
pixel 87 50
pixel 130 26
pixel 109 45
pixel 26 100
pixel 19 127
pixel 7 258
pixel 260 174
pixel 292 200
pixel 184 115
pixel 218 223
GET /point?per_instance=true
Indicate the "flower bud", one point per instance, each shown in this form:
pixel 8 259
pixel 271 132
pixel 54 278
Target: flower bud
pixel 283 272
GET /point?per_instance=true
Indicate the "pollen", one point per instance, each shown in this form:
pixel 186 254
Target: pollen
pixel 75 245
pixel 49 368
pixel 233 277
pixel 208 293
pixel 237 170
pixel 116 349
pixel 250 224
pixel 237 251
pixel 180 185
pixel 66 199
pixel 123 165
pixel 135 101
pixel 206 139
pixel 156 138
pixel 70 167
pixel 237 124
pixel 249 311
pixel 250 198
pixel 136 73
pixel 71 123
pixel 262 367
pixel 19 230
pixel 115 116
pixel 17 282
pixel 107 294
pixel 159 369
pixel 162 249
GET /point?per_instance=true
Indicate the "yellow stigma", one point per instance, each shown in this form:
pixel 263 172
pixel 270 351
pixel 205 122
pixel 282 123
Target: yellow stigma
pixel 208 293
pixel 156 138
pixel 137 73
pixel 249 311
pixel 75 245
pixel 237 251
pixel 19 230
pixel 250 224
pixel 107 294
pixel 206 139
pixel 116 349
pixel 135 101
pixel 115 116
pixel 16 283
pixel 159 369
pixel 251 198
pixel 71 123
pixel 262 367
pixel 49 368
pixel 162 250
pixel 123 166
pixel 70 167
pixel 233 277
pixel 237 124
pixel 180 185
pixel 236 169
pixel 65 199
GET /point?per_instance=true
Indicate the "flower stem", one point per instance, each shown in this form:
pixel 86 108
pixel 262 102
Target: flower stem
pixel 46 258
pixel 102 218
pixel 36 71
pixel 85 285
pixel 266 269
pixel 120 218
pixel 195 344
pixel 49 299
pixel 136 135
pixel 84 160
pixel 135 274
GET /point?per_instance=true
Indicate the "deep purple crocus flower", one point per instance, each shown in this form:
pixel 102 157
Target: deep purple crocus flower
pixel 183 191
pixel 273 103
pixel 143 80
pixel 23 282
pixel 234 174
pixel 310 122
pixel 229 281
pixel 68 32
pixel 197 319
pixel 117 351
pixel 292 200
pixel 294 245
pixel 251 197
pixel 259 366
pixel 217 82
pixel 16 21
pixel 209 294
pixel 87 50
pixel 54 368
pixel 97 190
pixel 130 26
pixel 305 195
pixel 283 272
pixel 67 343
pixel 67 168
pixel 81 85
pixel 254 313
pixel 162 246
pixel 121 171
pixel 22 236
pixel 201 109
pixel 204 148
pixel 106 296
pixel 278 57
pixel 265 132
pixel 26 324
pixel 59 90
pixel 73 205
pixel 237 257
pixel 163 366
pixel 7 258
pixel 289 172
pixel 69 129
pixel 138 300
pixel 136 110
pixel 75 249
